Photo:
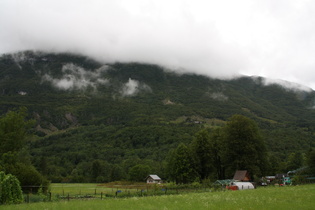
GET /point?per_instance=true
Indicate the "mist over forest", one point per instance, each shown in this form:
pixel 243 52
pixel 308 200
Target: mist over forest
pixel 101 122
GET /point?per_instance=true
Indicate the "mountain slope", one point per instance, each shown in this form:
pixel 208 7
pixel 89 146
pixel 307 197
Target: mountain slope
pixel 124 114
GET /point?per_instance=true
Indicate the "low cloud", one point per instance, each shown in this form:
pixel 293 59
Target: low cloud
pixel 133 87
pixel 218 96
pixel 76 78
pixel 291 86
pixel 221 39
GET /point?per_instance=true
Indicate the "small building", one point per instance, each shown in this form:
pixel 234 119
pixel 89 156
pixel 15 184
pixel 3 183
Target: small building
pixel 242 176
pixel 153 179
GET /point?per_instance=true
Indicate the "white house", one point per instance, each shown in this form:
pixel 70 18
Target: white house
pixel 153 179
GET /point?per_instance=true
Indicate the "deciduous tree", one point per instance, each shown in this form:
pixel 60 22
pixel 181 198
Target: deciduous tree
pixel 217 152
pixel 13 130
pixel 295 161
pixel 201 149
pixel 311 161
pixel 181 167
pixel 244 146
pixel 139 172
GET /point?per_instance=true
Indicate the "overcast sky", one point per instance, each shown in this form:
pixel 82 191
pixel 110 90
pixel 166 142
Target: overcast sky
pixel 219 38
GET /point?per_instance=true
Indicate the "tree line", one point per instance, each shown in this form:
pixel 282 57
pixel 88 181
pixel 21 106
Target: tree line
pixel 218 153
pixel 214 153
pixel 14 155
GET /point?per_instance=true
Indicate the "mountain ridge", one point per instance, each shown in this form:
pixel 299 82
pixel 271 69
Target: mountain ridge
pixel 87 76
pixel 85 110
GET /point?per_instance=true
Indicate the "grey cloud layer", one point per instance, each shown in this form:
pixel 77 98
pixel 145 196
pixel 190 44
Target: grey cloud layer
pixel 221 39
pixel 133 87
pixel 77 78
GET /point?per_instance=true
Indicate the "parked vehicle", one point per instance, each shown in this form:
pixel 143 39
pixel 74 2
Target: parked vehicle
pixel 286 180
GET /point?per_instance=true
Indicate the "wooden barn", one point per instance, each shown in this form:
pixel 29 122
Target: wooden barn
pixel 242 176
pixel 153 179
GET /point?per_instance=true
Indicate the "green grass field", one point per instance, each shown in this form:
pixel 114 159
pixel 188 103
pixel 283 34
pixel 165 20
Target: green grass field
pixel 76 189
pixel 288 197
pixel 95 190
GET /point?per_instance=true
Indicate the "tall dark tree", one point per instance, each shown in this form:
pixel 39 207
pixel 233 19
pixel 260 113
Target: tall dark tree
pixel 244 146
pixel 13 134
pixel 201 149
pixel 275 165
pixel 96 169
pixel 216 148
pixel 311 161
pixel 117 173
pixel 13 131
pixel 181 167
pixel 43 165
pixel 295 161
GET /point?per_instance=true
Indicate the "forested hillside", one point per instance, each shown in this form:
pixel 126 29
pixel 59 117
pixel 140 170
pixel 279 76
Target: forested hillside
pixel 96 122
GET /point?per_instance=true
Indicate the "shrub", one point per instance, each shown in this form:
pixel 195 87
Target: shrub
pixel 298 179
pixel 10 189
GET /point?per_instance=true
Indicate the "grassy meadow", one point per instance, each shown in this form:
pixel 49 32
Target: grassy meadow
pixel 95 190
pixel 288 197
pixel 79 189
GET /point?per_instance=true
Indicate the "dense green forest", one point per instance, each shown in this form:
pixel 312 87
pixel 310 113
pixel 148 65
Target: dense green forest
pixel 96 122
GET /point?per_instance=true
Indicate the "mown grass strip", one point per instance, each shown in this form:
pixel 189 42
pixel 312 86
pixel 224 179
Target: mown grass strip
pixel 290 197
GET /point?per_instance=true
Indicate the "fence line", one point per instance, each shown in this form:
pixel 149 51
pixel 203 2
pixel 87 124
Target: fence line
pixel 121 192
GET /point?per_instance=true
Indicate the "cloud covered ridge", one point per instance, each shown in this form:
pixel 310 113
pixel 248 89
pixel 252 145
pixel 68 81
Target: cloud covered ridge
pixel 75 77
